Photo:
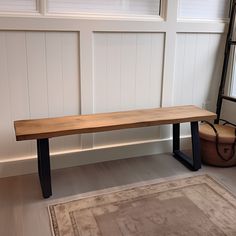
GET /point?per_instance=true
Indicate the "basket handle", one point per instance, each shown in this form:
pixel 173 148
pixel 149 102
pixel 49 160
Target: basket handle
pixel 217 142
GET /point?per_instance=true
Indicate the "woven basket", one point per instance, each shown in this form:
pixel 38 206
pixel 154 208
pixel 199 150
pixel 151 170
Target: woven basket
pixel 226 145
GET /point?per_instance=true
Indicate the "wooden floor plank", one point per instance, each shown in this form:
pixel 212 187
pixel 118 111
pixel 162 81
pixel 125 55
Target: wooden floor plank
pixel 23 212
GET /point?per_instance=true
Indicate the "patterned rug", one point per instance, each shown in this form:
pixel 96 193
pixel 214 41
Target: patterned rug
pixel 189 206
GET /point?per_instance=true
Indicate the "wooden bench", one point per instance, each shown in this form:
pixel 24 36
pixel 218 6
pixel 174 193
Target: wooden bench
pixel 43 129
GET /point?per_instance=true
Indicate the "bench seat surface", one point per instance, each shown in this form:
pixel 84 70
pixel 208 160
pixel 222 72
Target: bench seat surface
pixel 60 126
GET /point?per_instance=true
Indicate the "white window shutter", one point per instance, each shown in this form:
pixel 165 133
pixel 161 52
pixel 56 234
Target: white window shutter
pixel 204 9
pixel 18 5
pixel 117 7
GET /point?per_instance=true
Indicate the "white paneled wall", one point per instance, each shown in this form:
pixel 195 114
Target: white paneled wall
pixel 198 65
pixel 127 75
pixel 53 63
pixel 197 69
pixel 39 78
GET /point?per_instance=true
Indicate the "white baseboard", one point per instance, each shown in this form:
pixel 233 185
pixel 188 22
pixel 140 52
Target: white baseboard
pixel 27 165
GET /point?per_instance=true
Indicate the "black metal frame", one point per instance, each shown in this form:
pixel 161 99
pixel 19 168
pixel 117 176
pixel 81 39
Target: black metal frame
pixel 44 169
pixel 229 43
pixel 193 163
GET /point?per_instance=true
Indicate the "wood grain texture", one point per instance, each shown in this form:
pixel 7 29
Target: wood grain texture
pixel 24 213
pixel 60 126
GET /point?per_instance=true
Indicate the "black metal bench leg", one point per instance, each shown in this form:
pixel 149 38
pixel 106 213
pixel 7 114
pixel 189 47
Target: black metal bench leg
pixel 191 163
pixel 176 137
pixel 44 169
pixel 195 146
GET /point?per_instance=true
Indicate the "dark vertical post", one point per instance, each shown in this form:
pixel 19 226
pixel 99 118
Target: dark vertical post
pixel 195 146
pixel 176 137
pixel 44 169
pixel 191 163
pixel 226 61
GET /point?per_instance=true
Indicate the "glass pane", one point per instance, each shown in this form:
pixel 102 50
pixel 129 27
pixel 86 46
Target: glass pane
pixel 18 5
pixel 117 7
pixel 233 78
pixel 204 9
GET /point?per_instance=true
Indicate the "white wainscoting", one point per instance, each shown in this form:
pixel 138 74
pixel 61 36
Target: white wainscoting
pixel 198 66
pixel 197 69
pixel 55 65
pixel 39 78
pixel 127 75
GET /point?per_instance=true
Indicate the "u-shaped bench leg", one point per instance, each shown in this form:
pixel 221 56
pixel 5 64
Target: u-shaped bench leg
pixel 44 169
pixel 193 163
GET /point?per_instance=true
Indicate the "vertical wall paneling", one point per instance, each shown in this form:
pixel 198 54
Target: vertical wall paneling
pixel 37 80
pixel 18 82
pixel 86 81
pixel 105 65
pixel 100 69
pixel 5 102
pixel 55 74
pixel 144 49
pixel 197 72
pixel 102 92
pixel 128 80
pixel 148 79
pixel 71 85
pixel 55 82
pixel 127 75
pixel 39 74
pixel 195 68
pixel 37 64
pixel 63 81
pixel 112 97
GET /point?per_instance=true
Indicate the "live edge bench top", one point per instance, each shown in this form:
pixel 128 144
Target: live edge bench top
pixel 54 127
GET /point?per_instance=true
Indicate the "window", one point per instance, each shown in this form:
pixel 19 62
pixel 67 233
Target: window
pixel 111 7
pixel 18 6
pixel 204 9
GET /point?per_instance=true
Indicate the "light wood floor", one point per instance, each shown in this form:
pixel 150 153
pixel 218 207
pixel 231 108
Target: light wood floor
pixel 23 212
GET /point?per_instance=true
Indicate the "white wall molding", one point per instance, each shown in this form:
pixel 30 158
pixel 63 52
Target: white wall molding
pixel 70 158
pixel 119 25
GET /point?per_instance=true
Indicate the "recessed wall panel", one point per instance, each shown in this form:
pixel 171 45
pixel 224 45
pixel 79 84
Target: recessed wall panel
pixel 39 74
pixel 198 66
pixel 127 75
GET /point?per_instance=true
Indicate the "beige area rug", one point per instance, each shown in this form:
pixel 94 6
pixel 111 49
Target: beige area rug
pixel 189 206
